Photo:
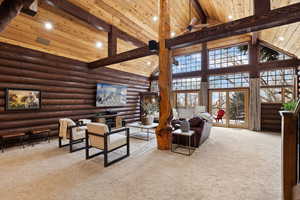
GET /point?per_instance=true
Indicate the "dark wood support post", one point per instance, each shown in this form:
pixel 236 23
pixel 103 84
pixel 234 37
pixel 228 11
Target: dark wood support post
pixel 9 9
pixel 289 153
pixel 254 91
pixel 204 77
pixel 112 42
pixel 163 131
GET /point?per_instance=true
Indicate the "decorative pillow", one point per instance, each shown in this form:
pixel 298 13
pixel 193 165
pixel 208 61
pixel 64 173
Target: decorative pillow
pixel 196 121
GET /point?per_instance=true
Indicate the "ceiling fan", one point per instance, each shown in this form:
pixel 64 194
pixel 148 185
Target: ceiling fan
pixel 195 24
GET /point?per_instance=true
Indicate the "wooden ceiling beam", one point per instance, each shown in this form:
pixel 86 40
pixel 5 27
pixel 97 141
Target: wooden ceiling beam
pixel 9 9
pixel 92 20
pixel 112 42
pixel 277 17
pixel 200 11
pixel 261 6
pixel 122 57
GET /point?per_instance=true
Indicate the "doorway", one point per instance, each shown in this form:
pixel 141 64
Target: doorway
pixel 230 107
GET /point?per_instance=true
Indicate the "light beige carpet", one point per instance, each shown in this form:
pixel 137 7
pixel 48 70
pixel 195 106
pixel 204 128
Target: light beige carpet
pixel 233 164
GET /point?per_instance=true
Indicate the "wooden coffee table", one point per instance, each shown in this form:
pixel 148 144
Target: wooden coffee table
pixel 141 134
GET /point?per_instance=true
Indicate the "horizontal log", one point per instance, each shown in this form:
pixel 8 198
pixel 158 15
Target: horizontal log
pixel 122 57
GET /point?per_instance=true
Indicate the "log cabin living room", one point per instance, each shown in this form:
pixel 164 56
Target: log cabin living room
pixel 149 99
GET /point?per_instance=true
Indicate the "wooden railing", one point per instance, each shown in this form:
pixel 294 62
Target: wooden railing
pixel 290 128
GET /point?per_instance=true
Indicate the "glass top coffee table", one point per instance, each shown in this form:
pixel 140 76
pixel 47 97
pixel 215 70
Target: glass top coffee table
pixel 145 130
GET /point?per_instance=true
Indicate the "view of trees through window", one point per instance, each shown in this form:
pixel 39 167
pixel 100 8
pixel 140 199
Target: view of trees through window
pixel 227 57
pixel 186 84
pixel 187 63
pixel 277 86
pixel 236 80
pixel 267 54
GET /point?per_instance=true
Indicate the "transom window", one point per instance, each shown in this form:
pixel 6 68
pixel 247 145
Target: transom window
pixel 267 54
pixel 186 84
pixel 187 63
pixel 281 77
pixel 226 57
pixel 277 86
pixel 237 80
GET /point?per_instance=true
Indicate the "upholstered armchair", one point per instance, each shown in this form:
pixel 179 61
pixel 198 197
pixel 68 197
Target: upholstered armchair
pixel 71 132
pixel 99 136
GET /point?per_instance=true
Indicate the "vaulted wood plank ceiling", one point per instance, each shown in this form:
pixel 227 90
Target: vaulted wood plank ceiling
pixel 286 38
pixel 74 39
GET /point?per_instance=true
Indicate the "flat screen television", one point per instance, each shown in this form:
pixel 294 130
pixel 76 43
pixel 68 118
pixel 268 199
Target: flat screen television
pixel 109 95
pixel 22 99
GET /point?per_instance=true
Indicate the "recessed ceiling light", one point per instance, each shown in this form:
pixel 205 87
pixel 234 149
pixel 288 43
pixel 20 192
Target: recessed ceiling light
pixel 154 18
pixel 48 25
pixel 230 17
pixel 99 45
pixel 148 63
pixel 173 34
pixel 280 38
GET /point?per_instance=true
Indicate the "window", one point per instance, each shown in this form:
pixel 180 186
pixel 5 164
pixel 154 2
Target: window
pixel 277 86
pixel 186 99
pixel 227 57
pixel 186 84
pixel 281 77
pixel 237 80
pixel 267 54
pixel 187 63
pixel 154 86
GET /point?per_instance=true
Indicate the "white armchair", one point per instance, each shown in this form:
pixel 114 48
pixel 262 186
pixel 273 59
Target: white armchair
pixel 69 131
pixel 98 136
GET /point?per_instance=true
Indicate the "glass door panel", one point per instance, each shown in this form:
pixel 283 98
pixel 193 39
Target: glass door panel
pixel 237 108
pixel 218 107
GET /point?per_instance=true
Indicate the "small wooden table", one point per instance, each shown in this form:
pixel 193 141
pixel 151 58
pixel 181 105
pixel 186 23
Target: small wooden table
pixel 4 138
pixel 41 132
pixel 188 134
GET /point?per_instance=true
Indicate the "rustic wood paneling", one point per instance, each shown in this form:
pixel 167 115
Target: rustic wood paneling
pixel 68 89
pixel 270 117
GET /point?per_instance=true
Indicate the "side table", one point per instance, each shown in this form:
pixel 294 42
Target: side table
pixel 189 135
pixel 4 138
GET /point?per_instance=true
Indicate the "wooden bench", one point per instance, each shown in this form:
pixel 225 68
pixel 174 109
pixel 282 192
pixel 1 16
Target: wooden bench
pixel 5 138
pixel 41 132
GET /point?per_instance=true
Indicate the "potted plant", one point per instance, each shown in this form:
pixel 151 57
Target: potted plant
pixel 148 113
pixel 290 106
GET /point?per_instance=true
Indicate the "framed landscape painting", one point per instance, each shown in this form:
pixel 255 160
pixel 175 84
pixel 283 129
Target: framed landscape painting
pixel 109 95
pixel 22 99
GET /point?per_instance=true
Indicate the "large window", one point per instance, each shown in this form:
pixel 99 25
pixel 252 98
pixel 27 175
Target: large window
pixel 277 86
pixel 186 84
pixel 237 80
pixel 267 54
pixel 186 99
pixel 187 63
pixel 227 57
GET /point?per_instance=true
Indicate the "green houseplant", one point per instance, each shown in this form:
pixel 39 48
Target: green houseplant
pixel 290 106
pixel 148 112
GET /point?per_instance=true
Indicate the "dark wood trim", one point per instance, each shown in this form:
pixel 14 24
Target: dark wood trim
pixel 200 11
pixel 91 20
pixel 204 62
pixel 9 9
pixel 277 17
pixel 254 58
pixel 112 42
pixel 261 7
pixel 292 63
pixel 122 57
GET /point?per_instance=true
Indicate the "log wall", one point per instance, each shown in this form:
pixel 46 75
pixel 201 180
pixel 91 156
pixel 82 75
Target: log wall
pixel 68 89
pixel 270 117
